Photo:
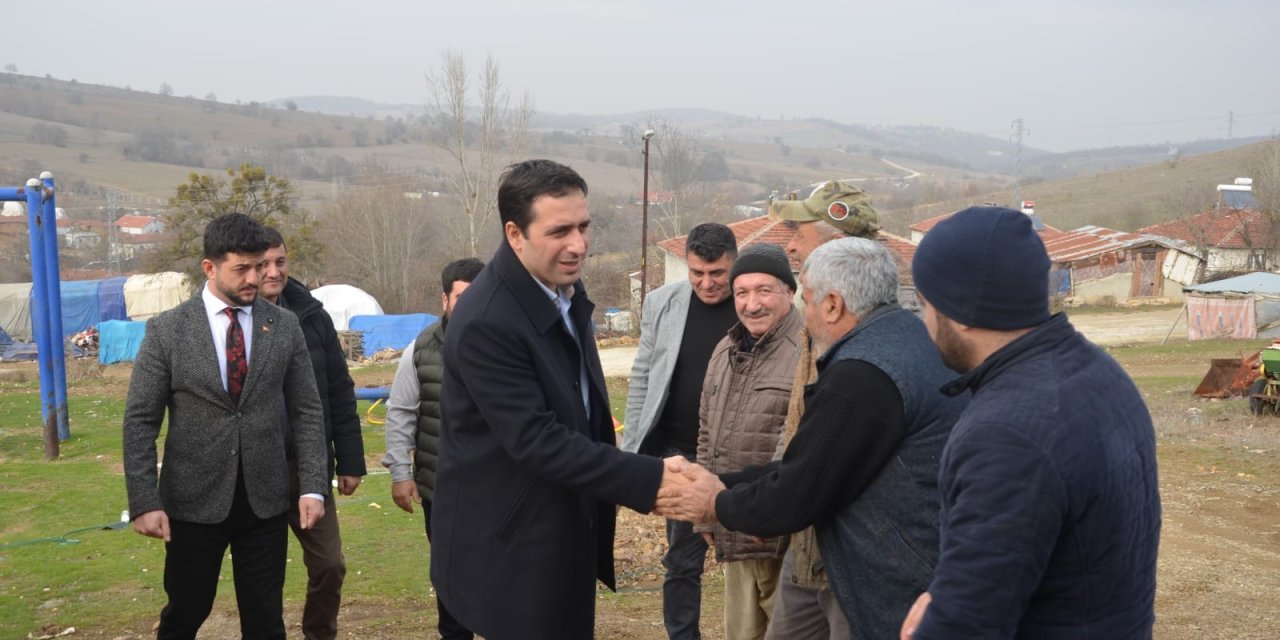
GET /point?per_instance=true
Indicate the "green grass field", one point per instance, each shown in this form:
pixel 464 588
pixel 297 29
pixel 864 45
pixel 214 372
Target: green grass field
pixel 1218 463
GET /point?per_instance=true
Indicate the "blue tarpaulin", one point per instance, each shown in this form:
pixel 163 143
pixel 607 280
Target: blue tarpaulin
pixel 79 305
pixel 118 340
pixel 390 332
pixel 111 299
pixel 19 351
pixel 85 303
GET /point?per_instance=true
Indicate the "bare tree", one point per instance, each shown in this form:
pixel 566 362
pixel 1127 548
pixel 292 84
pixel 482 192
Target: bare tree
pixel 388 239
pixel 1264 168
pixel 481 130
pixel 679 186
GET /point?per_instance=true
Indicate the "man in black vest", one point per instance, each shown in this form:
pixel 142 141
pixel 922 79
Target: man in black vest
pixel 413 417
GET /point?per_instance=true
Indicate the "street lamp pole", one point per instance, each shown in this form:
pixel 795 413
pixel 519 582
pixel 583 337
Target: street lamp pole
pixel 644 222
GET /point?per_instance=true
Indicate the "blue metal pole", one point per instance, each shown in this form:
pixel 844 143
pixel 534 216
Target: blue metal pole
pixel 53 274
pixel 40 317
pixel 17 194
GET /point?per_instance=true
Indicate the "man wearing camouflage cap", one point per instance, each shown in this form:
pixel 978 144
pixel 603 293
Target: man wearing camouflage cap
pixel 843 206
pixel 805 607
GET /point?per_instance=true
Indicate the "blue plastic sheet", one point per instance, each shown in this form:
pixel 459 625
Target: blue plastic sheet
pixel 79 305
pixel 20 351
pixel 118 340
pixel 390 332
pixel 111 299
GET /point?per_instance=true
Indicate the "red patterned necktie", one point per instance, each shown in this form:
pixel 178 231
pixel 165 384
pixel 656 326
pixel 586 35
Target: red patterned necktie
pixel 237 363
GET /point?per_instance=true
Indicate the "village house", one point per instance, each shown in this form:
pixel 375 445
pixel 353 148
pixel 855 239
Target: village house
pixel 1231 237
pixel 139 225
pixel 1095 265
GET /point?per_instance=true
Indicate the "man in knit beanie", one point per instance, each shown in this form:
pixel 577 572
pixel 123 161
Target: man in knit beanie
pixel 1050 519
pixel 741 415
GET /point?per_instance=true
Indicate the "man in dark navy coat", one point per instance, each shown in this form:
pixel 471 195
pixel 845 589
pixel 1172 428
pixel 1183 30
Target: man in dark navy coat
pixel 529 474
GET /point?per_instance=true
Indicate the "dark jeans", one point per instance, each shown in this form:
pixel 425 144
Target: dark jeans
pixel 193 559
pixel 685 561
pixel 450 628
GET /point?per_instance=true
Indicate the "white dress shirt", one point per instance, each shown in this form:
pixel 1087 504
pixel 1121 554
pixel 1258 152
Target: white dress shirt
pixel 215 309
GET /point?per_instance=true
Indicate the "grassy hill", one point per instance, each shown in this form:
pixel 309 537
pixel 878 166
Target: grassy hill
pixel 111 145
pixel 1126 199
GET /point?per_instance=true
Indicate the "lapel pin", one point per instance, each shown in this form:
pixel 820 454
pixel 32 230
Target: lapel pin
pixel 265 329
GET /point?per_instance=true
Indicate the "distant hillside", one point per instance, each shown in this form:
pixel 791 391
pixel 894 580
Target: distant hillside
pixel 136 147
pixel 1127 199
pixel 351 106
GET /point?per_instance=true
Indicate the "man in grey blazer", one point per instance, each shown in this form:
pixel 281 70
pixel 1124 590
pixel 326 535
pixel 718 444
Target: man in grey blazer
pixel 679 328
pixel 226 366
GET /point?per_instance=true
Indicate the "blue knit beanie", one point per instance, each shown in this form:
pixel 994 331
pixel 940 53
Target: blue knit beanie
pixel 985 267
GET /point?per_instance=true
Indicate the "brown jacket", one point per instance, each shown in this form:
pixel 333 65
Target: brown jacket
pixel 741 416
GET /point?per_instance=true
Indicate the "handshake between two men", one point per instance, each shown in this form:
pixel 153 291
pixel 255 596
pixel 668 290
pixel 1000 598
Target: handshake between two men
pixel 688 492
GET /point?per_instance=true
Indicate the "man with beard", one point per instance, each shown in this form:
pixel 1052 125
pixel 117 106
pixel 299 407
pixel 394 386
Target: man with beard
pixel 413 417
pixel 321 544
pixel 862 468
pixel 806 609
pixel 1050 520
pixel 680 326
pixel 221 365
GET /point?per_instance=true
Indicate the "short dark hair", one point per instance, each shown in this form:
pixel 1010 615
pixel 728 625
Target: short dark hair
pixel 710 241
pixel 524 182
pixel 274 239
pixel 233 233
pixel 461 270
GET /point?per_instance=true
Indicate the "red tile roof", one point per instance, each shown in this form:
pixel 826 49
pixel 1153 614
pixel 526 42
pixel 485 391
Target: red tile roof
pixel 1224 229
pixel 1090 241
pixel 903 251
pixel 750 231
pixel 134 222
pixel 925 225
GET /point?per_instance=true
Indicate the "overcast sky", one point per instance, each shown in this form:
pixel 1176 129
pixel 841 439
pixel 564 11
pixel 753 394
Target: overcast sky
pixel 1080 73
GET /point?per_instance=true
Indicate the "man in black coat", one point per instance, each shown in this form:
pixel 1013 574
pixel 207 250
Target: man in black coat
pixel 528 475
pixel 321 544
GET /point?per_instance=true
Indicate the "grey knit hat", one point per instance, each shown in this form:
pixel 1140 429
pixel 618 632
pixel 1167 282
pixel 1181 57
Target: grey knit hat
pixel 763 257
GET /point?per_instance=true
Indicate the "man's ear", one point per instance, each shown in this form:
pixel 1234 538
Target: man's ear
pixel 515 237
pixel 832 307
pixel 206 265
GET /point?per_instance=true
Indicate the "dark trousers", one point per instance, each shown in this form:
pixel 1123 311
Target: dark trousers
pixel 193 559
pixel 449 627
pixel 684 561
pixel 326 567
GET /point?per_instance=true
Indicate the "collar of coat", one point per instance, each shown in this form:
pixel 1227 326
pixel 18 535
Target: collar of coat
pixel 1042 338
pixel 533 298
